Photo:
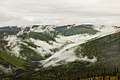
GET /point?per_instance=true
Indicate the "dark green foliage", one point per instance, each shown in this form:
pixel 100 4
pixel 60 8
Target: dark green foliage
pixel 30 66
pixel 106 49
pixel 27 29
pixel 29 53
pixel 30 44
pixel 47 55
pixel 41 36
pixel 23 36
pixel 9 59
pixel 54 50
pixel 3 43
pixel 74 71
pixel 34 26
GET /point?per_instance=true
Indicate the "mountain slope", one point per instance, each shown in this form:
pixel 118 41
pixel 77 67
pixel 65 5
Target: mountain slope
pixel 107 51
pixel 9 64
pixel 21 47
pixel 12 60
pixel 62 51
pixel 41 40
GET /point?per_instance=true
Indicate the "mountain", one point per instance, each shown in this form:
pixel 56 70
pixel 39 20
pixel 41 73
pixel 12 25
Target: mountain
pixel 71 50
pixel 107 51
pixel 40 40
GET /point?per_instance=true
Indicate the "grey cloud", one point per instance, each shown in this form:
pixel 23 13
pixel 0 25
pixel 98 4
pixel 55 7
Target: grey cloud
pixel 6 17
pixel 56 11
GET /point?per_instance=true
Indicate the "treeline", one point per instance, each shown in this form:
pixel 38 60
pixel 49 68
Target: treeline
pixel 72 74
pixel 103 78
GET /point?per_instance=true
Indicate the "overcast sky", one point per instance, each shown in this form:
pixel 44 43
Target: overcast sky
pixel 27 12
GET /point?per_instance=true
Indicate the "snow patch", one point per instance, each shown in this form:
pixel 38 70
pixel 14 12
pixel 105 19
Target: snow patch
pixel 42 28
pixel 94 59
pixel 13 43
pixel 16 50
pixel 67 53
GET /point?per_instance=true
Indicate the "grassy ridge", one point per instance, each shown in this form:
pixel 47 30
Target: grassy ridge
pixel 9 59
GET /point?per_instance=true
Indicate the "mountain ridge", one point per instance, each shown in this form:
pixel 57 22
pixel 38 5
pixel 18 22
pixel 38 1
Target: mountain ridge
pixel 43 48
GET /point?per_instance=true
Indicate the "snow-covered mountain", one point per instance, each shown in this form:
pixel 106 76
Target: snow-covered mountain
pixel 44 40
pixel 49 45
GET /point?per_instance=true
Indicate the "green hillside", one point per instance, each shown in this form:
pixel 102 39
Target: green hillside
pixel 12 60
pixel 7 58
pixel 107 50
pixel 73 31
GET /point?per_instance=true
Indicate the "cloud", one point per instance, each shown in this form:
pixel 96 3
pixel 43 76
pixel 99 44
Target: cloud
pixel 6 17
pixel 56 11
